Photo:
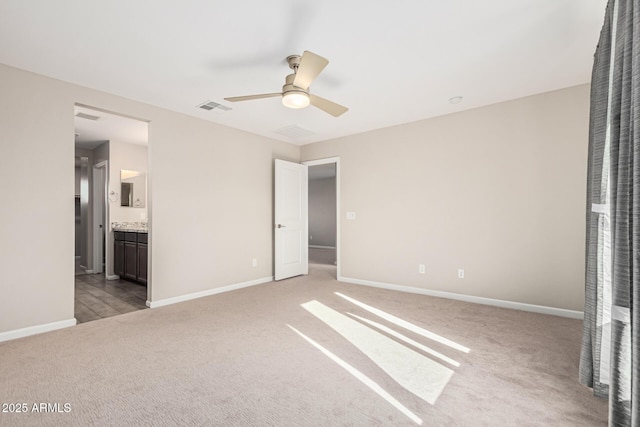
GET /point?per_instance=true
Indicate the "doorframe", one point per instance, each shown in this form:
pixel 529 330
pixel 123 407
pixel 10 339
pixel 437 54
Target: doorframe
pixel 100 207
pixel 325 161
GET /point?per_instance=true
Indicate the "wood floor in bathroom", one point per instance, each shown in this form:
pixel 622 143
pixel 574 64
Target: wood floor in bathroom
pixel 98 298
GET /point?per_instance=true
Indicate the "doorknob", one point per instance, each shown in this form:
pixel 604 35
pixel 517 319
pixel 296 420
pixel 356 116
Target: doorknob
pixel 280 226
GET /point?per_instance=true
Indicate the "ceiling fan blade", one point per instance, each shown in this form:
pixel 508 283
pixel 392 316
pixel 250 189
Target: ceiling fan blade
pixel 250 97
pixel 327 106
pixel 310 66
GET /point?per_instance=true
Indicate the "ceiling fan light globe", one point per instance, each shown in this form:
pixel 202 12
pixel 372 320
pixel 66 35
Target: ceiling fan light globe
pixel 295 100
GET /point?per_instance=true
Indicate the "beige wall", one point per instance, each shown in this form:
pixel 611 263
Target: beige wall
pixel 37 226
pixel 207 185
pixel 498 191
pixel 129 157
pixel 211 194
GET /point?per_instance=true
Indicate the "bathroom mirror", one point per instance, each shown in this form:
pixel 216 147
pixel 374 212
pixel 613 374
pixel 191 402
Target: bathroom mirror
pixel 133 188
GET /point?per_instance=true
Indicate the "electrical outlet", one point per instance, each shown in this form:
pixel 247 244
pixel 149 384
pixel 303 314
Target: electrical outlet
pixel 460 273
pixel 254 262
pixel 422 269
pixel 351 216
pixel 310 237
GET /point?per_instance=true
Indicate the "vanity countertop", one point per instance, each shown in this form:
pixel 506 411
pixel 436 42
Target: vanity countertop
pixel 131 227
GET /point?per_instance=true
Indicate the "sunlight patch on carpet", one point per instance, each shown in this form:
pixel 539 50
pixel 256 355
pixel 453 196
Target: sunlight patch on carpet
pixel 407 325
pixel 408 340
pixel 362 378
pixel 418 374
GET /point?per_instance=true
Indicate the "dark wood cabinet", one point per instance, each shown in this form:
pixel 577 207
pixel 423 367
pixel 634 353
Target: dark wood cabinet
pixel 131 260
pixel 142 263
pixel 130 256
pixel 118 256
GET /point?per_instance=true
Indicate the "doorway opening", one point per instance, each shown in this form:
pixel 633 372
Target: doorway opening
pixel 99 215
pixel 324 220
pixel 107 144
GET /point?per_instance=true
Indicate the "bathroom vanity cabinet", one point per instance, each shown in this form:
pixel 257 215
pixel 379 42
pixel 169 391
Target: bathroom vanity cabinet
pixel 130 255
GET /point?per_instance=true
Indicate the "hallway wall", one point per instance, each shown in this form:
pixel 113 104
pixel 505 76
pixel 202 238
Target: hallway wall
pixel 322 212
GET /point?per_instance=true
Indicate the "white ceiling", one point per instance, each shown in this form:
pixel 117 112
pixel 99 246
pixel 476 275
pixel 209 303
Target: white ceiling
pixel 107 127
pixel 390 62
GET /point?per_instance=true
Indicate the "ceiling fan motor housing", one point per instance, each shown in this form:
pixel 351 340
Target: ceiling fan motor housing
pixel 289 87
pixel 293 96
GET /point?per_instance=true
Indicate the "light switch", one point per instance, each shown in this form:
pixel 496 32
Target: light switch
pixel 351 215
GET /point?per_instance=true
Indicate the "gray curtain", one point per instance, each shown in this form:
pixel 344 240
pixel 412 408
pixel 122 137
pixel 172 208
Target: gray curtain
pixel 610 359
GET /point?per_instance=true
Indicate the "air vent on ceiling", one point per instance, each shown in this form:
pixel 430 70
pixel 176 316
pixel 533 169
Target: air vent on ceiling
pixel 294 131
pixel 210 105
pixel 87 116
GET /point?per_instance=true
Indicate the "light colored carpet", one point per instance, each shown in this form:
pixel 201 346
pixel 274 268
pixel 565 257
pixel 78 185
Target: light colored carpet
pixel 234 360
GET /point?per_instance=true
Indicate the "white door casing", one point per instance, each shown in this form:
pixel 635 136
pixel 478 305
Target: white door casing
pixel 291 220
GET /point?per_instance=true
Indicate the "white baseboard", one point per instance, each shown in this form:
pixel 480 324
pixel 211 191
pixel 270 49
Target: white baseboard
pixel 89 271
pixel 78 256
pixel 187 297
pixel 111 276
pixel 322 247
pixel 469 298
pixel 38 329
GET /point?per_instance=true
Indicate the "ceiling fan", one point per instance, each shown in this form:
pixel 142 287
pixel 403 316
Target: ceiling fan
pixel 295 92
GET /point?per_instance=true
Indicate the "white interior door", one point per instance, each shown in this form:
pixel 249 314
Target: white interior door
pixel 291 220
